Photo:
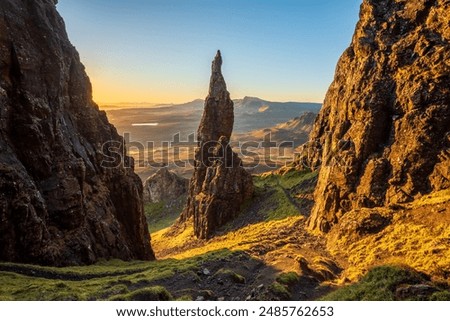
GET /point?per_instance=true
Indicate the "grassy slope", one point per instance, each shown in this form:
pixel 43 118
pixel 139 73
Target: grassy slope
pixel 389 283
pixel 111 280
pixel 117 280
pixel 418 236
pixel 162 214
pixel 269 219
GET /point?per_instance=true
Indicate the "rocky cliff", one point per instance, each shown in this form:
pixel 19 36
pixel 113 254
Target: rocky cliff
pixel 219 184
pixel 58 204
pixel 164 185
pixel 383 135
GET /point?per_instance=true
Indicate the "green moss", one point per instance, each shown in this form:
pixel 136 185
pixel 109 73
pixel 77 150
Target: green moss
pixel 155 293
pixel 163 214
pixel 379 284
pixel 231 275
pixel 276 195
pixel 280 291
pixel 108 280
pixel 440 296
pixel 289 278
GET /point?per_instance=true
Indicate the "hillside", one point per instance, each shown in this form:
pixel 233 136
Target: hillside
pixel 295 131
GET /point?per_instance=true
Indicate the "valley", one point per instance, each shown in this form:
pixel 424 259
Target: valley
pixel 172 140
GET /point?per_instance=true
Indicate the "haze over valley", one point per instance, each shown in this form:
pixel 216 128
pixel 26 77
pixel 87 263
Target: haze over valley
pixel 254 118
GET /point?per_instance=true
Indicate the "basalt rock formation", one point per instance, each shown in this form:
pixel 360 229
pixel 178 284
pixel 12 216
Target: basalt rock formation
pixel 64 198
pixel 164 185
pixel 383 135
pixel 219 184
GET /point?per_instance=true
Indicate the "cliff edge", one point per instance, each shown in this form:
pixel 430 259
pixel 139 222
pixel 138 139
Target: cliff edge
pixel 59 205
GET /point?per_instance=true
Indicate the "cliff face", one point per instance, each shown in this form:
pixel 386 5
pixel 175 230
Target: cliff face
pixel 219 184
pixel 58 205
pixel 383 135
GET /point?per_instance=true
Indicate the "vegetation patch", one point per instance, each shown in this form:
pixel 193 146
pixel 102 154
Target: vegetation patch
pixel 280 291
pixel 289 278
pixel 103 281
pixel 230 275
pixel 277 195
pixel 163 214
pixel 389 283
pixel 155 293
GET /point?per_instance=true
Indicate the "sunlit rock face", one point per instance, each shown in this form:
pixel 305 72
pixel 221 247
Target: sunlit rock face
pixel 383 135
pixel 219 184
pixel 58 204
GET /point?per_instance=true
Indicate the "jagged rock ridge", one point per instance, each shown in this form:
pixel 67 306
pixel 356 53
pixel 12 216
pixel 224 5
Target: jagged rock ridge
pixel 58 204
pixel 383 135
pixel 219 184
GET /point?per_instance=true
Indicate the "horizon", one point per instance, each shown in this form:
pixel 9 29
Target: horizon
pixel 159 52
pixel 147 104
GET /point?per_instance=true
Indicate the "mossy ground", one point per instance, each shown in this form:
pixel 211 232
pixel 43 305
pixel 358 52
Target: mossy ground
pixel 384 283
pixel 109 280
pixel 163 214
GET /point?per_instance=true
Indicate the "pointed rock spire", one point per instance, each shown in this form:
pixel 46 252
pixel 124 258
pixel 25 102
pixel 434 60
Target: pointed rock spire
pixel 218 116
pixel 219 184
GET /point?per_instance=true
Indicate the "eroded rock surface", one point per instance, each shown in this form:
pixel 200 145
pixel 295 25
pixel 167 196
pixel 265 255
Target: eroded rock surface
pixel 383 135
pixel 220 184
pixel 58 204
pixel 164 185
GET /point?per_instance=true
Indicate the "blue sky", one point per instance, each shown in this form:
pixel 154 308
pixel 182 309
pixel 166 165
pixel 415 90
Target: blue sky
pixel 160 51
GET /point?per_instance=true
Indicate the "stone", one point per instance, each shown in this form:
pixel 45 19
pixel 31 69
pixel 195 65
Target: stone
pixel 59 204
pixel 220 184
pixel 383 134
pixel 414 292
pixel 164 185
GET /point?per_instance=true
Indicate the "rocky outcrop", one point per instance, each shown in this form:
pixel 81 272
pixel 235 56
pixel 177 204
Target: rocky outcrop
pixel 164 185
pixel 59 205
pixel 383 135
pixel 219 184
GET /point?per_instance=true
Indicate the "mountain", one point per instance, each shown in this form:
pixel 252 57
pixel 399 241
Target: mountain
pixel 296 130
pixel 382 137
pixel 251 114
pixel 60 204
pixel 254 113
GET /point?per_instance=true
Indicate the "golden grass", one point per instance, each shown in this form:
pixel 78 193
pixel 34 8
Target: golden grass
pixel 432 199
pixel 418 236
pixel 185 245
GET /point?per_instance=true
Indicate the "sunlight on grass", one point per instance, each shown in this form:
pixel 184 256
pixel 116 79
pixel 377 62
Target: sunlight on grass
pixel 418 236
pixel 242 239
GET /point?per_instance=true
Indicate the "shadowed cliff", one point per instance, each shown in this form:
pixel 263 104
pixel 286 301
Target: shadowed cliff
pixel 58 204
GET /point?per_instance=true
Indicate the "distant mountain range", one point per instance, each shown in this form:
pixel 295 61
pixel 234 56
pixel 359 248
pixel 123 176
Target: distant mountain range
pixel 295 130
pixel 250 113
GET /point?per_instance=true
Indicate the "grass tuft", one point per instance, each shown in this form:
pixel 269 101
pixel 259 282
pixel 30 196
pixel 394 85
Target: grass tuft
pixel 289 278
pixel 379 284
